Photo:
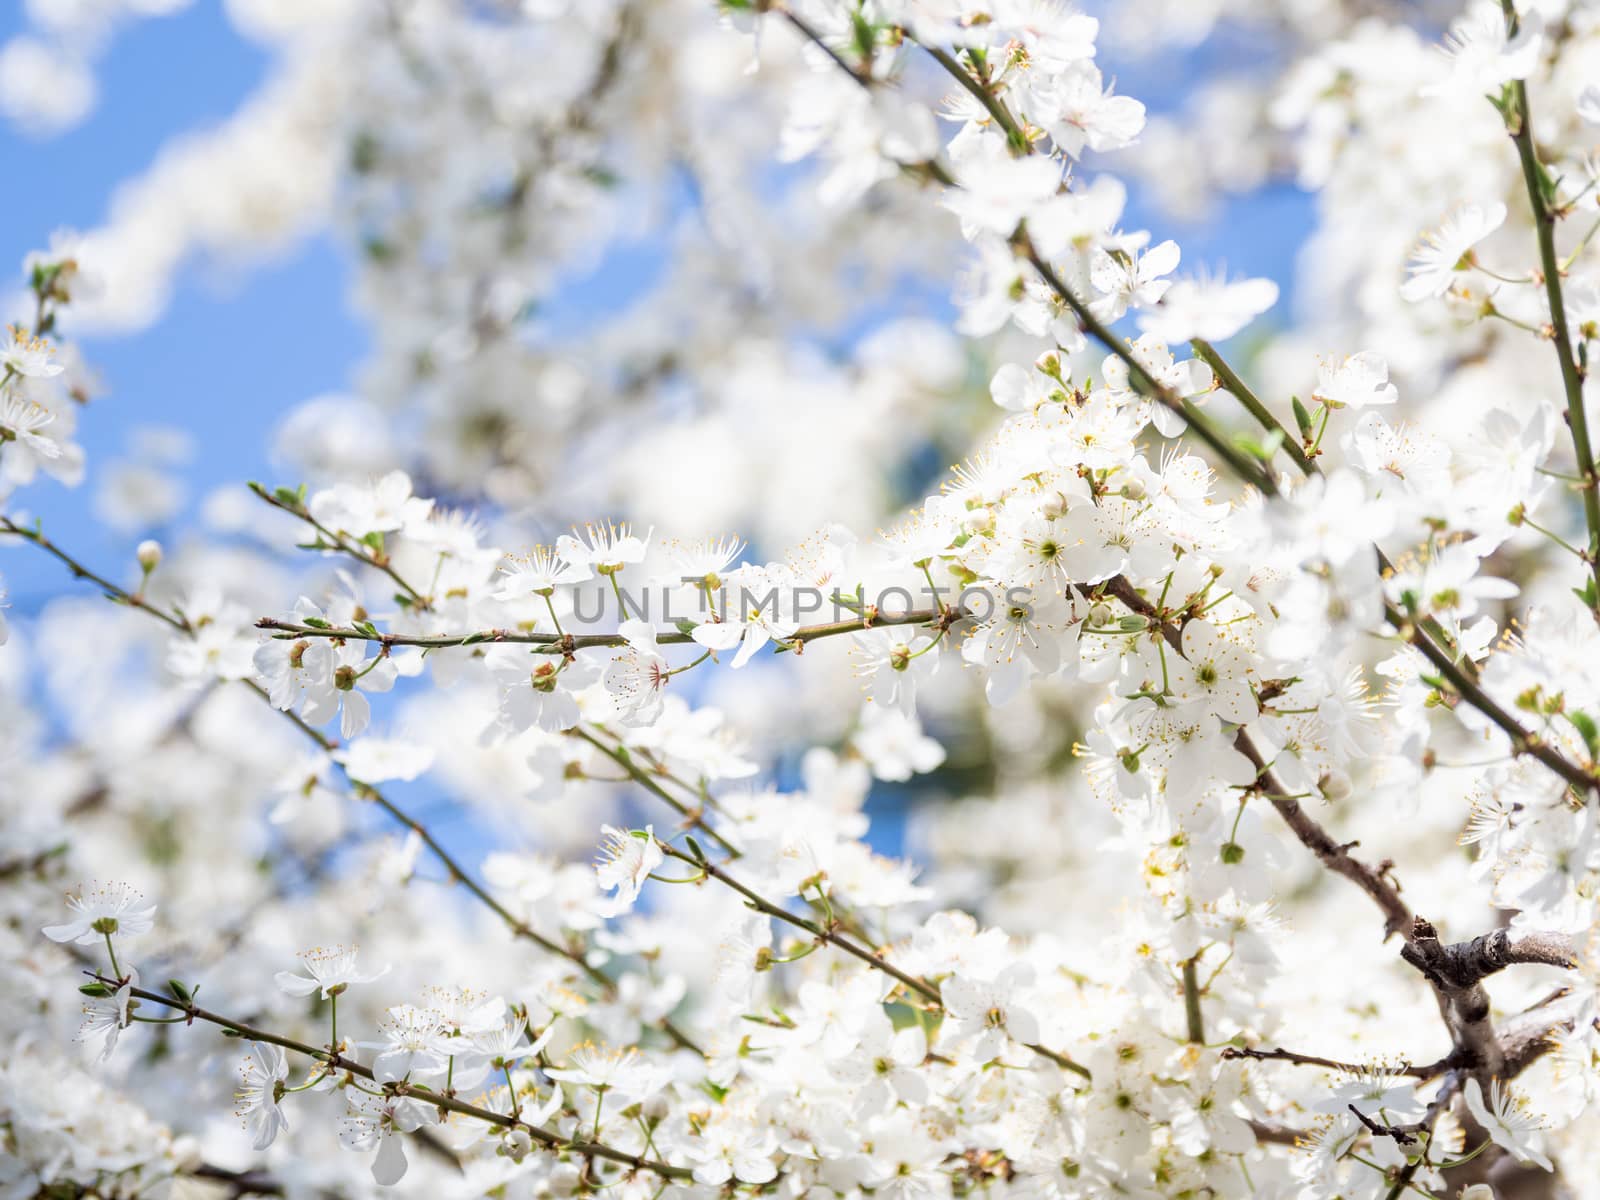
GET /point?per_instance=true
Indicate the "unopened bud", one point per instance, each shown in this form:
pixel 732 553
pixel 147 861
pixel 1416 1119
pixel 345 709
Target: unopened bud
pixel 1335 786
pixel 516 1144
pixel 149 555
pixel 1049 363
pixel 1100 614
pixel 1054 508
pixel 1134 489
pixel 979 520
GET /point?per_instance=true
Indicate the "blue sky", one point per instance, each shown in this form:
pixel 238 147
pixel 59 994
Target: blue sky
pixel 236 350
pixel 232 353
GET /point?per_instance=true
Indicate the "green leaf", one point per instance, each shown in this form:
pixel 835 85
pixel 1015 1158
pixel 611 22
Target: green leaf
pixel 317 623
pixel 95 989
pixel 289 497
pixel 1585 725
pixel 1302 418
pixel 180 990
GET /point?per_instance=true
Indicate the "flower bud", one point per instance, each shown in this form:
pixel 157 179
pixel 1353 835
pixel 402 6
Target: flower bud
pixel 1335 786
pixel 656 1107
pixel 1100 614
pixel 149 555
pixel 1054 508
pixel 1049 363
pixel 1134 489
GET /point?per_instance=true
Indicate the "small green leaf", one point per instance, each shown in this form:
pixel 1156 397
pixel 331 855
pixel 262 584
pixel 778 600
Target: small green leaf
pixel 180 990
pixel 1302 418
pixel 1585 725
pixel 94 989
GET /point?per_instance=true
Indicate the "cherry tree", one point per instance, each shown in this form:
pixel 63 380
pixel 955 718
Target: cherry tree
pixel 492 806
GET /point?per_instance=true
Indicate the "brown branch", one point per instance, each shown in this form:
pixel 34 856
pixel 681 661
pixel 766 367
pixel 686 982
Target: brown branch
pixel 457 874
pixel 338 1063
pixel 1457 972
pixel 830 935
pixel 1335 856
pixel 567 643
pixel 1279 1054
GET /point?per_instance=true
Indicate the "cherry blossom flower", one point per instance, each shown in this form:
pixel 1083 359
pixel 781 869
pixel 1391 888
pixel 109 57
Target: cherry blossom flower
pixel 1509 1121
pixel 623 1073
pixel 757 607
pixel 384 506
pixel 636 678
pixel 531 690
pixel 106 1016
pixel 990 1010
pixel 329 971
pixel 414 1044
pixel 21 420
pixel 262 1079
pixel 379 1121
pixel 892 660
pixel 538 573
pixel 893 744
pixel 627 857
pixel 1445 251
pixel 1213 674
pixel 604 549
pixel 1356 382
pixel 23 354
pixel 1212 309
pixel 1589 104
pixel 105 910
pixel 1483 54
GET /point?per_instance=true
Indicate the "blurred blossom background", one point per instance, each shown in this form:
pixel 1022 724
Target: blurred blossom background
pixel 244 332
pixel 237 343
pixel 549 262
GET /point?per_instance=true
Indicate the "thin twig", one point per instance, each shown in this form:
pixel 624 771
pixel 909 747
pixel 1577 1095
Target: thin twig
pixel 337 1063
pixel 1544 218
pixel 831 936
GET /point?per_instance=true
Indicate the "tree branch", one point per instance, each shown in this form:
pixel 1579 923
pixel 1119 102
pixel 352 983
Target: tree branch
pixel 1279 1054
pixel 831 936
pixel 1539 188
pixel 1457 972
pixel 339 1063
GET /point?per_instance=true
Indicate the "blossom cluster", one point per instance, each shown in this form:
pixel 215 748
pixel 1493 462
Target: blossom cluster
pixel 1236 668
